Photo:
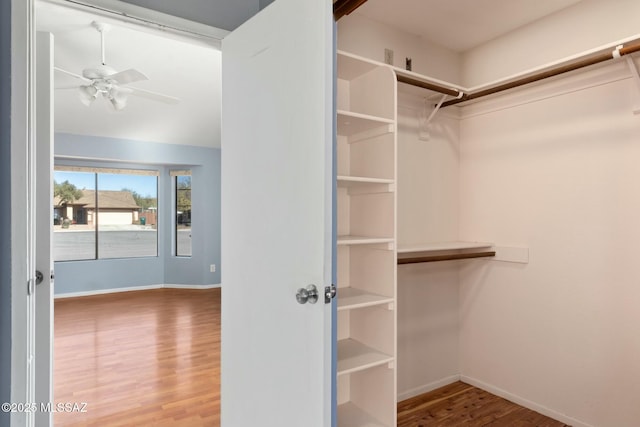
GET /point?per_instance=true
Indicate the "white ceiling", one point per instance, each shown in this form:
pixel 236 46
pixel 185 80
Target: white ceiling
pixel 460 24
pixel 176 67
pixel 191 71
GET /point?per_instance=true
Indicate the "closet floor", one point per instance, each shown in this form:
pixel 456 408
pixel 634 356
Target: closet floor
pixel 461 404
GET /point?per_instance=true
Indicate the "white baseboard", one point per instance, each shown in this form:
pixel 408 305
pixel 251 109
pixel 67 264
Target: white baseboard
pixel 133 288
pixel 168 286
pixel 427 387
pixel 524 402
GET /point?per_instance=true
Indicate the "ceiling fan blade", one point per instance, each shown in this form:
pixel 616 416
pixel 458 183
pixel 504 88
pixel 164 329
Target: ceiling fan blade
pixel 154 96
pixel 77 76
pixel 128 76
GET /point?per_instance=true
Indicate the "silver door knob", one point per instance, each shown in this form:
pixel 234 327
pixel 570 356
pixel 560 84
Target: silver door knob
pixel 309 295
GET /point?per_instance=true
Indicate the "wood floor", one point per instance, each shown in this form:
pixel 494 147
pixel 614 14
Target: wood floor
pixel 149 358
pixel 461 404
pixel 152 358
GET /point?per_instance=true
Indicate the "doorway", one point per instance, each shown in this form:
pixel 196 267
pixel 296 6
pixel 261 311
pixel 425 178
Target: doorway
pixel 121 169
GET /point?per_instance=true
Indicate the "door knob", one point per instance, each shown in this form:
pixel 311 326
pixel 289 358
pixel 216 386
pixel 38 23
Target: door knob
pixel 309 295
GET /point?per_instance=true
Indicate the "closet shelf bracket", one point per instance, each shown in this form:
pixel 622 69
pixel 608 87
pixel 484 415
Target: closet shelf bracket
pixel 425 121
pixel 636 78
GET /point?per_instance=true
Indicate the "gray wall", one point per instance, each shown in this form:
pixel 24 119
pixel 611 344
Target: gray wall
pixel 81 276
pixel 5 194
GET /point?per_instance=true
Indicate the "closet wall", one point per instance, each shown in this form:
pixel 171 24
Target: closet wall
pixel 559 175
pixel 586 25
pixel 552 168
pixel 365 37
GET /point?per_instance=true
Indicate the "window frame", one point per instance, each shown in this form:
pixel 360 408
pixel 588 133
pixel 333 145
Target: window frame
pixel 175 175
pixel 96 171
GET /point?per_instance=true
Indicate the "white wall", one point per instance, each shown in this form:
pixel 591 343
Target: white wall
pixel 571 31
pixel 559 175
pixel 365 37
pixel 427 293
pixel 115 218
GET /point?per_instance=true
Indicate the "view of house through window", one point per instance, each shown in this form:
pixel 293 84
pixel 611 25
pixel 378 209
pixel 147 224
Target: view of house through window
pixel 182 182
pixel 104 213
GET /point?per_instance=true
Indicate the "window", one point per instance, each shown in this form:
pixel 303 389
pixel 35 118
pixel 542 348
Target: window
pixel 104 213
pixel 182 185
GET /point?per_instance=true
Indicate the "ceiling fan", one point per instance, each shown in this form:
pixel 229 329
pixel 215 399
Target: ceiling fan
pixel 106 81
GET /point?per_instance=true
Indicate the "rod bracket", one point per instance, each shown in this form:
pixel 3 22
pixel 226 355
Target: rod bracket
pixel 636 78
pixel 616 52
pixel 425 120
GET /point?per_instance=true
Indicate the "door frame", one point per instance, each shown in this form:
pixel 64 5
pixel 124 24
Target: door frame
pixel 22 173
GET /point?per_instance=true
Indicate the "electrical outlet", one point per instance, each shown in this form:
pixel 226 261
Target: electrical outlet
pixel 212 268
pixel 388 56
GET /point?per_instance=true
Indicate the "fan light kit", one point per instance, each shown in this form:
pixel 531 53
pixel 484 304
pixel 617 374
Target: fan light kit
pixel 107 82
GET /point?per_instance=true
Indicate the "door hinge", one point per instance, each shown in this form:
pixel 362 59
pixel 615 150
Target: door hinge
pixel 329 293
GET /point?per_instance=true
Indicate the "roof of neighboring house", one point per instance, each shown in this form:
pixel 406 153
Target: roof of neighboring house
pixel 106 200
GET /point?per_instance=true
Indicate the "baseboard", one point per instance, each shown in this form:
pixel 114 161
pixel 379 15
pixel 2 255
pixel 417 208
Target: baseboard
pixel 132 289
pixel 427 387
pixel 524 402
pixel 213 286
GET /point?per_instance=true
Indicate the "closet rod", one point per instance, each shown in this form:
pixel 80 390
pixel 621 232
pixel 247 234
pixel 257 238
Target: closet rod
pixel 425 85
pixel 581 63
pixel 345 7
pixel 449 257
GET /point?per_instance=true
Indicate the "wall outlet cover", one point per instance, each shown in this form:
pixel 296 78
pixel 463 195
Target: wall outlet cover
pixel 388 56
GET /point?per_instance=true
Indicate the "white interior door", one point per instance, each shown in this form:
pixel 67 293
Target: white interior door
pixel 277 120
pixel 43 357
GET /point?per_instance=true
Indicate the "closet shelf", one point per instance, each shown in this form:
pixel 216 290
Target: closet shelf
pixel 355 124
pixel 352 181
pixel 352 298
pixel 443 246
pixel 363 240
pixel 357 185
pixel 351 66
pixel 349 415
pixel 444 251
pixel 353 356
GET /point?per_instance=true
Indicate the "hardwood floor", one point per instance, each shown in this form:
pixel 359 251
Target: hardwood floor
pixel 152 358
pixel 461 404
pixel 149 358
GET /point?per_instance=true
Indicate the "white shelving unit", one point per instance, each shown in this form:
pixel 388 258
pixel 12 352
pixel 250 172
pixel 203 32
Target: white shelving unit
pixel 353 356
pixel 367 349
pixel 363 240
pixel 352 298
pixel 350 415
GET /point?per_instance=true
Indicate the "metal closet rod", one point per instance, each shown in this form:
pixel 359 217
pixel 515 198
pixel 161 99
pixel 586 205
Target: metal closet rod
pixel 581 63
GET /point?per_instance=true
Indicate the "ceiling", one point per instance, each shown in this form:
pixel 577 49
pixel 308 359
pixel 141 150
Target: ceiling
pixel 181 68
pixel 190 70
pixel 460 25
